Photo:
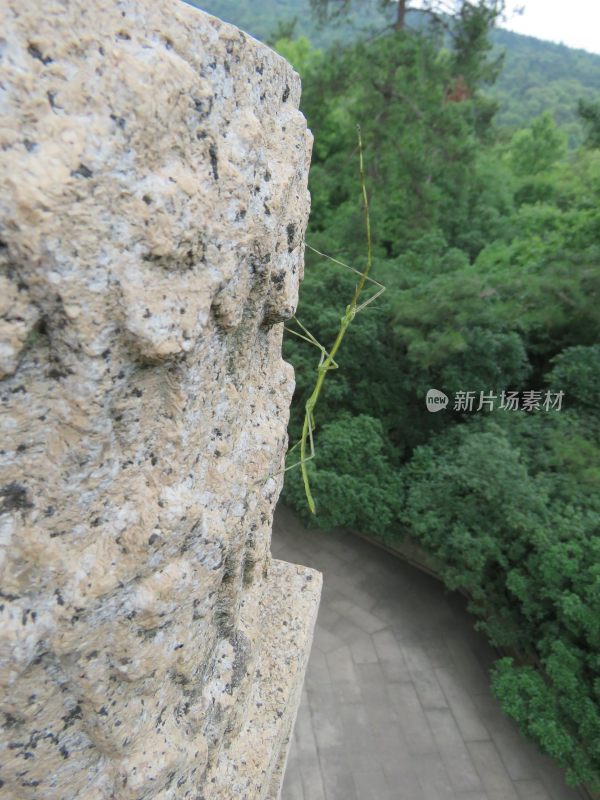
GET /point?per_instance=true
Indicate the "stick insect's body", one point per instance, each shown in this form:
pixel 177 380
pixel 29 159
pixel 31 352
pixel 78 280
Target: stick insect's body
pixel 327 360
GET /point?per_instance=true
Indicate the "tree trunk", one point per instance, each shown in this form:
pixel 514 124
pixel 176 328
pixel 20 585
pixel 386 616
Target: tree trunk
pixel 401 15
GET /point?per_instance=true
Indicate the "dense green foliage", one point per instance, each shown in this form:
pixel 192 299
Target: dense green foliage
pixel 542 76
pixel 488 242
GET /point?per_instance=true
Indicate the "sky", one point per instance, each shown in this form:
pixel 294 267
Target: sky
pixel 575 23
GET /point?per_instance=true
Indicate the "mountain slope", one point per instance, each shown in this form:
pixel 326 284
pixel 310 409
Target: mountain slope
pixel 542 76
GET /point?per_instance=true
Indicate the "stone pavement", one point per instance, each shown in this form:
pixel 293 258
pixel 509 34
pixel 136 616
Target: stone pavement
pixel 396 703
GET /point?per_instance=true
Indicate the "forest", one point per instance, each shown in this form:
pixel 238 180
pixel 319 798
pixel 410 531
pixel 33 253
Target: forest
pixel 483 178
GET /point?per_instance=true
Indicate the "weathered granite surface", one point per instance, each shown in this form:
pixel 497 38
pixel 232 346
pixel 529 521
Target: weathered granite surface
pixel 153 169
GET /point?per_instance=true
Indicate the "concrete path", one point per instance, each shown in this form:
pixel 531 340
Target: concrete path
pixel 396 704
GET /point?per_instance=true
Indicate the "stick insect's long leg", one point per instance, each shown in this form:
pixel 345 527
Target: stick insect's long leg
pixel 381 287
pixel 326 361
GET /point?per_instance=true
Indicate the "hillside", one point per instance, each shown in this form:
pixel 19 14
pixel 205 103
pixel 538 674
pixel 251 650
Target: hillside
pixel 538 76
pixel 542 76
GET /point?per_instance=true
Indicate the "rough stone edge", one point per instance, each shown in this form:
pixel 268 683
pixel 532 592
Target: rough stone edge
pixel 249 40
pixel 293 704
pixel 289 607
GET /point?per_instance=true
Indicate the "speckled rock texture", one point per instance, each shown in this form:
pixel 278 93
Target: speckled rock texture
pixel 153 200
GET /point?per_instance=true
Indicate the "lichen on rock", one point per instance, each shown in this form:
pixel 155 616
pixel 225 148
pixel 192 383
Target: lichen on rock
pixel 153 162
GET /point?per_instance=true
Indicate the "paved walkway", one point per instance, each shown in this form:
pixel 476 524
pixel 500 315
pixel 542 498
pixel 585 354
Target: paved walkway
pixel 396 703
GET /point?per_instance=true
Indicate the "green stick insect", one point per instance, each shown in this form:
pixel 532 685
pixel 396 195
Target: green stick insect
pixel 327 361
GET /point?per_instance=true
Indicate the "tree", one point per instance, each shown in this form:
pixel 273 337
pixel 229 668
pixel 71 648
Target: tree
pixel 351 470
pixel 589 112
pixel 285 29
pixel 472 45
pixel 536 149
pixel 576 371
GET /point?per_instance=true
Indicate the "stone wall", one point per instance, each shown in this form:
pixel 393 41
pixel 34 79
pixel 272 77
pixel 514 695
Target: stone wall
pixel 153 169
